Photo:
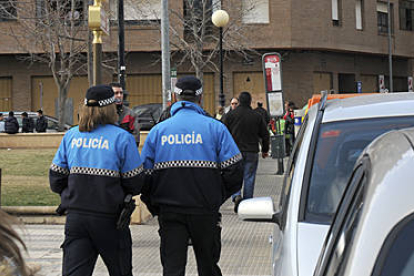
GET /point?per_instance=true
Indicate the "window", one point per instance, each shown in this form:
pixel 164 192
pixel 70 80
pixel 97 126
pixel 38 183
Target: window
pixel 287 181
pixel 338 146
pixel 138 11
pixel 382 17
pixel 344 227
pixel 397 253
pixel 407 15
pixel 7 11
pixel 336 12
pixel 359 11
pixel 255 11
pixel 197 19
pixel 61 10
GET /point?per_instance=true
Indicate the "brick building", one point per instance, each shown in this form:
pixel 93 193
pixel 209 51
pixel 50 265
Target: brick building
pixel 325 44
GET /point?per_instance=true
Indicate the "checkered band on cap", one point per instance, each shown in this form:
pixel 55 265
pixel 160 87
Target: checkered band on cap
pixel 101 102
pixel 94 171
pixel 133 172
pixel 179 91
pixel 231 161
pixel 59 169
pixel 186 164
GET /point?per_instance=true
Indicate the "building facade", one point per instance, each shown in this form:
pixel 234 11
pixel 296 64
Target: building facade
pixel 325 45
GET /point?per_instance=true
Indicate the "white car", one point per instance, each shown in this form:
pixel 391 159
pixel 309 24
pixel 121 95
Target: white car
pixel 373 231
pixel 332 137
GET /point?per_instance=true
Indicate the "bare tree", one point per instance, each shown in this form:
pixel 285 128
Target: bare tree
pixel 52 32
pixel 197 39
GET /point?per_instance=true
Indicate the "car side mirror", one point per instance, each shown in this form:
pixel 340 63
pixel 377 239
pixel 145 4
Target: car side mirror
pixel 258 209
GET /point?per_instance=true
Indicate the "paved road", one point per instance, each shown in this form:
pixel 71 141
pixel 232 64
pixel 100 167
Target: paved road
pixel 245 250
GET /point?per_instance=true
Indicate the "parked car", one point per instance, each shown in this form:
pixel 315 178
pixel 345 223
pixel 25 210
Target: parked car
pixel 372 233
pixel 52 122
pixel 148 114
pixel 333 135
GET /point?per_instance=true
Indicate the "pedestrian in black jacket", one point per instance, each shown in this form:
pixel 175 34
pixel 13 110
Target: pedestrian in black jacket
pixel 11 124
pixel 27 123
pixel 41 122
pixel 263 112
pixel 247 127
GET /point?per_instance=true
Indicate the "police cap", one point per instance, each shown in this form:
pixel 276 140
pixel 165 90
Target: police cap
pixel 188 85
pixel 99 95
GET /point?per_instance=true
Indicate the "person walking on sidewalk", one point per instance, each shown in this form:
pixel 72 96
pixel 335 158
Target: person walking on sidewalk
pixel 289 130
pixel 247 127
pixel 194 166
pixel 128 120
pixel 95 167
pixel 263 112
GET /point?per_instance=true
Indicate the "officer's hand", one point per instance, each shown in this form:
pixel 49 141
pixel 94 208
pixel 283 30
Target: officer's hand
pixel 265 154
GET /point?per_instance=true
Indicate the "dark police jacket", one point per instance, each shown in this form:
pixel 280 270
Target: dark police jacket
pixel 247 126
pixel 93 171
pixel 193 162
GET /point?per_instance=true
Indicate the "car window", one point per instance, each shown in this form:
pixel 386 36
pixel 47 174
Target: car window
pixel 340 237
pixel 338 146
pixel 396 257
pixel 287 181
pixel 52 125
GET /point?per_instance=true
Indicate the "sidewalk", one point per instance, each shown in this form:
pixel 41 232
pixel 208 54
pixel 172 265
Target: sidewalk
pixel 245 245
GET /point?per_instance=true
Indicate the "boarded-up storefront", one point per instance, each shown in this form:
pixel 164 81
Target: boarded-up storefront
pixel 322 81
pixel 252 82
pixel 45 95
pixel 369 83
pixel 5 94
pixel 147 88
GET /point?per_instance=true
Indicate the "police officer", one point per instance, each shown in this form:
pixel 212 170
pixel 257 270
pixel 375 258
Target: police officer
pixel 96 165
pixel 194 166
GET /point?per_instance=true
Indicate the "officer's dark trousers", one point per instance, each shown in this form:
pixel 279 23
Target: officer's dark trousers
pixel 86 237
pixel 175 230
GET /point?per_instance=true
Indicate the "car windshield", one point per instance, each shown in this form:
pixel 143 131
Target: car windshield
pixel 339 145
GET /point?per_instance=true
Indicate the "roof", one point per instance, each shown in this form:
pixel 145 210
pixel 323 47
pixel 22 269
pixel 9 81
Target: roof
pixel 370 106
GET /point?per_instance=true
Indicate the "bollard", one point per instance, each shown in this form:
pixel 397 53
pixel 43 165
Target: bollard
pixel 277 143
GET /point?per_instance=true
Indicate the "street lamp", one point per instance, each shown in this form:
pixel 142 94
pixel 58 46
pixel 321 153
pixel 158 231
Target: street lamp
pixel 98 23
pixel 220 19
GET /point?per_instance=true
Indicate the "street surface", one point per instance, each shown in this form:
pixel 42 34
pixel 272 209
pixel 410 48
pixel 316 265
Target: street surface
pixel 245 245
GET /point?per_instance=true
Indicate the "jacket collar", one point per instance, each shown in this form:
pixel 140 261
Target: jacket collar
pixel 181 105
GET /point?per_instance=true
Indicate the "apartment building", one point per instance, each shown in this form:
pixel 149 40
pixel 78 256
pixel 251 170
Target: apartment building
pixel 325 45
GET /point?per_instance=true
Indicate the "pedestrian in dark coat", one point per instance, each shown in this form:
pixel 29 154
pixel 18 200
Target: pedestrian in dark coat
pixel 41 122
pixel 128 120
pixel 263 112
pixel 11 124
pixel 247 128
pixel 27 123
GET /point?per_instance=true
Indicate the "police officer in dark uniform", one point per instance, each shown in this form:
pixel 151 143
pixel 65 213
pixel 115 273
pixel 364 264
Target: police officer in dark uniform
pixel 95 167
pixel 194 166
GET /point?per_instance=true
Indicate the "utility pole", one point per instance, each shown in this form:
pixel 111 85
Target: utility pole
pixel 390 47
pixel 165 52
pixel 121 44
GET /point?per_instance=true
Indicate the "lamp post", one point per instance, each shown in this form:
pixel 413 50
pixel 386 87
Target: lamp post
pixel 220 19
pixel 98 23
